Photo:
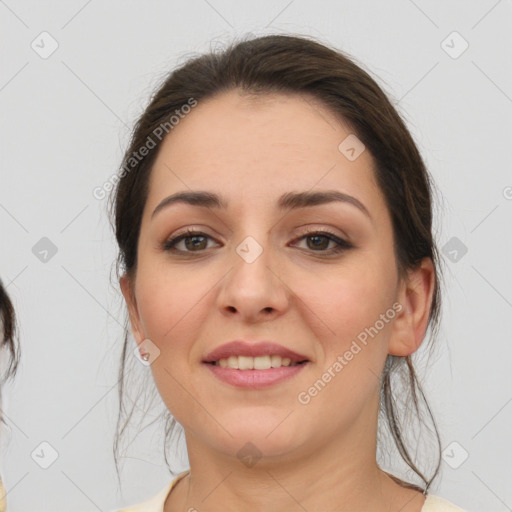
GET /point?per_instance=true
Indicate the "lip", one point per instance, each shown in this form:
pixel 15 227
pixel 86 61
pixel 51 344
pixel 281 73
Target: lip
pixel 262 348
pixel 255 379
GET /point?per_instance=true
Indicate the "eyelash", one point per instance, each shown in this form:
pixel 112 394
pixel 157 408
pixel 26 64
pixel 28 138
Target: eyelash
pixel 342 245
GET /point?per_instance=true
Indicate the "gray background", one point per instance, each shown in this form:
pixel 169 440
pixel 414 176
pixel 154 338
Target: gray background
pixel 65 121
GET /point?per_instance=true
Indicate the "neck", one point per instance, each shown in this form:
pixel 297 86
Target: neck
pixel 333 474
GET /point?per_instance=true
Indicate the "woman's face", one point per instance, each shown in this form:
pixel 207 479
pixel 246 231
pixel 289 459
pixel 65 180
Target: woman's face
pixel 253 274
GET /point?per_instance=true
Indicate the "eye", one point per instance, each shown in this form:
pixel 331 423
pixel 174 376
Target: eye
pixel 194 241
pixel 197 241
pixel 320 241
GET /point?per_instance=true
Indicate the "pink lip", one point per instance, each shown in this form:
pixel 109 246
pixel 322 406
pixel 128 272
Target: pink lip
pixel 242 348
pixel 254 379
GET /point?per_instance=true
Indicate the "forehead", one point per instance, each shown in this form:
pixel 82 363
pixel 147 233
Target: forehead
pixel 262 145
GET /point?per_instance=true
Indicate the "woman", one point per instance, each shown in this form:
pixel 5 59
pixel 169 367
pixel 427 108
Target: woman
pixel 7 342
pixel 274 222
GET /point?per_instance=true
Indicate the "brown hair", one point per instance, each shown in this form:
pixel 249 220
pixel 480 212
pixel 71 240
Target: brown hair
pixel 8 339
pixel 290 64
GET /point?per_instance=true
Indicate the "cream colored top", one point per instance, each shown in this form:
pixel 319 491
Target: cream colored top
pixel 156 503
pixel 2 496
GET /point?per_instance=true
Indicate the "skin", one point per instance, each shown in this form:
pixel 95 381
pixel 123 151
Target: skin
pixel 319 456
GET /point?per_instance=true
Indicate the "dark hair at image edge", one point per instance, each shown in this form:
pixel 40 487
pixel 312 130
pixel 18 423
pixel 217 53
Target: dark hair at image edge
pixel 300 65
pixel 8 339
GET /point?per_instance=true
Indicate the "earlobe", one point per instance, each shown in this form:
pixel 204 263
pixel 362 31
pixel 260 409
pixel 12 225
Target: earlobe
pixel 131 304
pixel 415 296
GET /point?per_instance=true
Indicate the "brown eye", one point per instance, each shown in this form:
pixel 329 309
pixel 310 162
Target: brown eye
pixel 193 241
pixel 319 241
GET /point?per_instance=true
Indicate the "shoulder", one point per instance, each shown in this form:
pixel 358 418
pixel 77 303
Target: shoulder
pixel 2 496
pixel 156 503
pixel 437 504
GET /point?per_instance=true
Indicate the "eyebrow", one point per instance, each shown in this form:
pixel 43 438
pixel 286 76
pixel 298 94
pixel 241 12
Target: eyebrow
pixel 288 201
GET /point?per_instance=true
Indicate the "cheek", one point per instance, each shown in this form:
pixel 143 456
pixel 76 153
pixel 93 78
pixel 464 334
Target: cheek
pixel 348 300
pixel 347 322
pixel 171 305
pixel 345 317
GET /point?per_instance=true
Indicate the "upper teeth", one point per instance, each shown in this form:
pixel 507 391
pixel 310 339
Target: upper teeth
pixel 254 363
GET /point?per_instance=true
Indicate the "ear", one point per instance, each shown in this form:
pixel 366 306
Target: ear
pixel 415 295
pixel 131 303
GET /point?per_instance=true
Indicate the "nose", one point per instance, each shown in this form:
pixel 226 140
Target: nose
pixel 254 288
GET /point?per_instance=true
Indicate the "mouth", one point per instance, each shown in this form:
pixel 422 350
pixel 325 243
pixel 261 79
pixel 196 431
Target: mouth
pixel 241 355
pixel 265 362
pixel 254 366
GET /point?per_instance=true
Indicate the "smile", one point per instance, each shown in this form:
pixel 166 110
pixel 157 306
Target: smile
pixel 255 363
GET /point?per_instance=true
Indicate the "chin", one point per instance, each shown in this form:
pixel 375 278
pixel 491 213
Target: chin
pixel 255 437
